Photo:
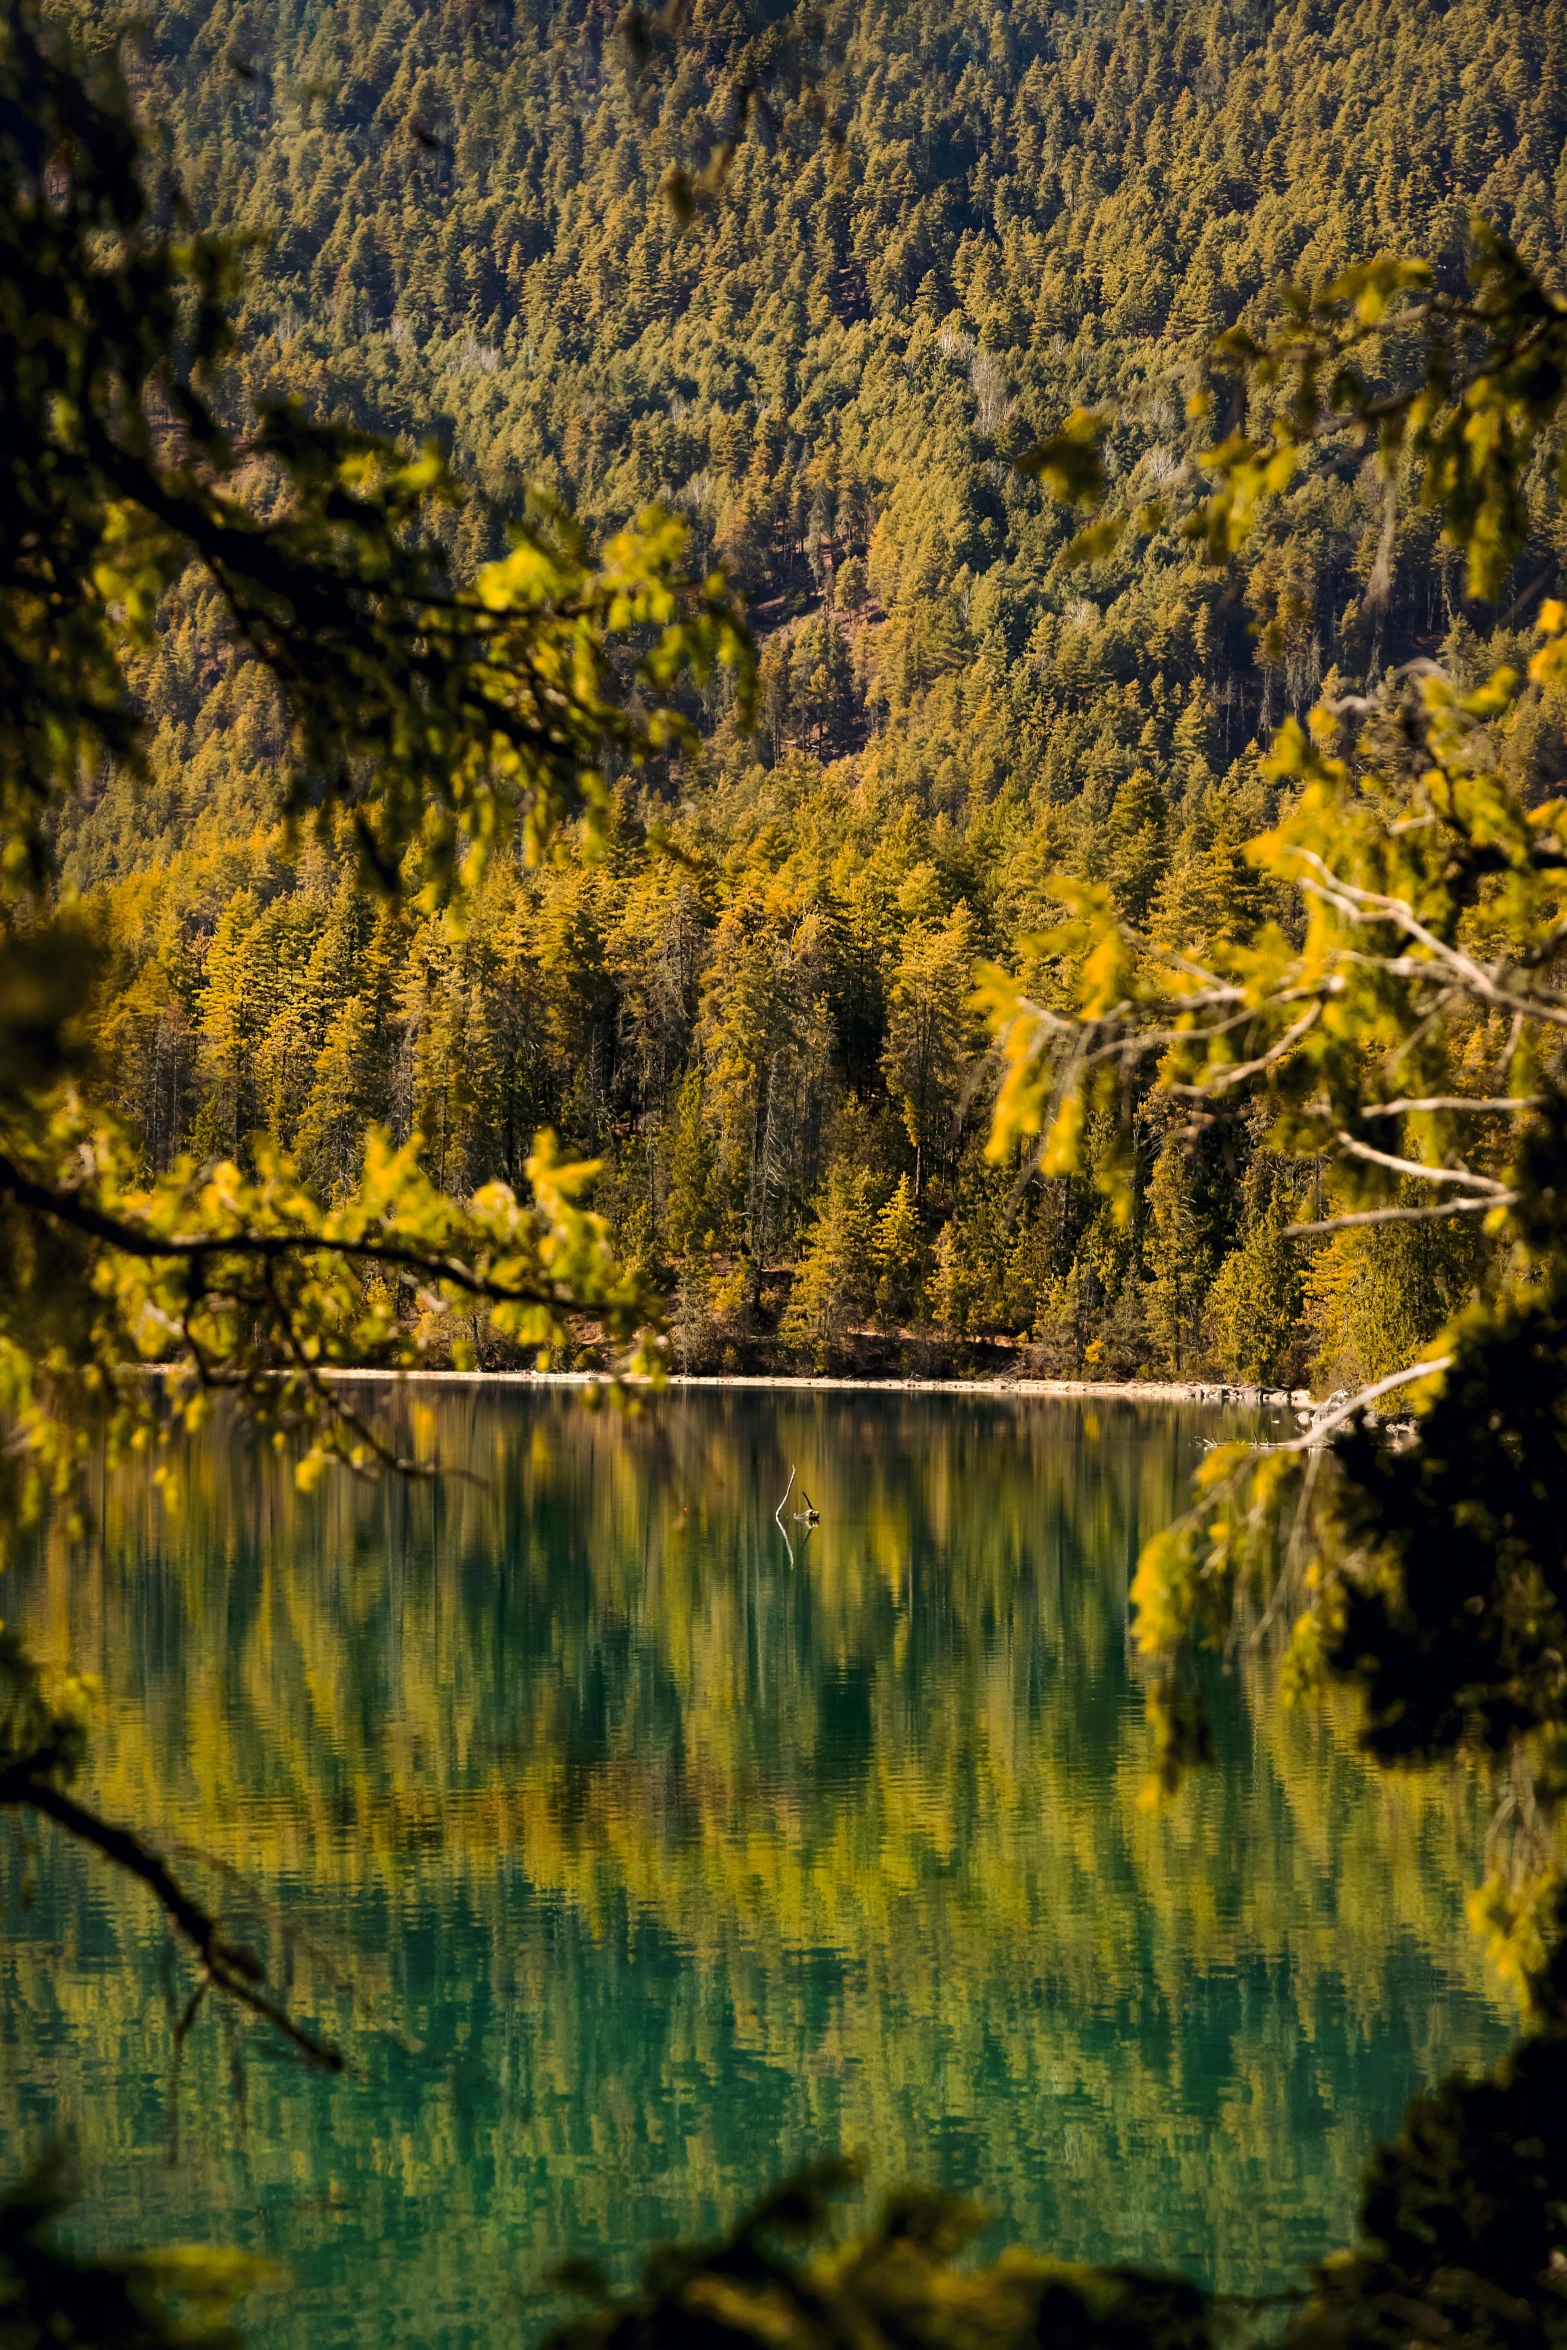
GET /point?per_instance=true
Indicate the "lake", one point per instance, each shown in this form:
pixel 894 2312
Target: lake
pixel 637 1851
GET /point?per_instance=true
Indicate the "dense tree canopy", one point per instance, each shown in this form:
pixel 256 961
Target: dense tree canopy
pixel 960 226
pixel 964 274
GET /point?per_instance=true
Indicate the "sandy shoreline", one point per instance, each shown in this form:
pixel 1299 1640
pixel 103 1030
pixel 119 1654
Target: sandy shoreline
pixel 1103 1391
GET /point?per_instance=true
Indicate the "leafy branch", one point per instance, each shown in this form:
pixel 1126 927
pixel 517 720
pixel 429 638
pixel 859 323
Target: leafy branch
pixel 444 718
pixel 247 1285
pixel 1401 1033
pixel 1484 393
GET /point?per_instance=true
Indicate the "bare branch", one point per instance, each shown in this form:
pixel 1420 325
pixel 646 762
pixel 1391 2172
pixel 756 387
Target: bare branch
pixel 1447 1207
pixel 229 1965
pixel 1455 1101
pixel 1418 1171
pixel 1214 989
pixel 1362 905
pixel 1226 1079
pixel 1326 1422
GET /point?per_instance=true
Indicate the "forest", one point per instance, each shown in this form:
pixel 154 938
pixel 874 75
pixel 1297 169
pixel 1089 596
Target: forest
pixel 753 688
pixel 755 1004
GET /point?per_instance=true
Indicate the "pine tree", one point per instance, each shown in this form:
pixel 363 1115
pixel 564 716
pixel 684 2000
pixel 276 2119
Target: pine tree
pixel 342 1100
pixel 688 1216
pixel 1180 1263
pixel 832 1280
pixel 228 1027
pixel 928 1033
pixel 949 1291
pixel 1256 1302
pixel 897 1247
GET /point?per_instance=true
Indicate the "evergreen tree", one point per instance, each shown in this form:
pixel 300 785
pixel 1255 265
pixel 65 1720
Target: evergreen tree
pixel 897 1250
pixel 926 1053
pixel 1256 1303
pixel 687 1220
pixel 1179 1262
pixel 832 1281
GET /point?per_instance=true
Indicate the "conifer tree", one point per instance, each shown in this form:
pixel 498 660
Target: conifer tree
pixel 833 1278
pixel 927 1033
pixel 688 1216
pixel 896 1247
pixel 1256 1304
pixel 1179 1262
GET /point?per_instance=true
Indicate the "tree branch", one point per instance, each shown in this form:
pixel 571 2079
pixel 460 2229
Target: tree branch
pixel 1362 905
pixel 136 1241
pixel 1226 1079
pixel 229 1965
pixel 1448 1207
pixel 1421 1173
pixel 1325 1423
pixel 1455 1101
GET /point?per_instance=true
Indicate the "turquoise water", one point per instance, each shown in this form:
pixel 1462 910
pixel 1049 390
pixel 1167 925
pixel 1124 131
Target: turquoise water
pixel 636 1851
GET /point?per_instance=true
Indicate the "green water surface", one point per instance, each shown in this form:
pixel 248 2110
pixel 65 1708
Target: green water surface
pixel 637 1850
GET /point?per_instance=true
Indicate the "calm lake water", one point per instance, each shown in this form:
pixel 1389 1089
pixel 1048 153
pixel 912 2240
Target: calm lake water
pixel 635 1860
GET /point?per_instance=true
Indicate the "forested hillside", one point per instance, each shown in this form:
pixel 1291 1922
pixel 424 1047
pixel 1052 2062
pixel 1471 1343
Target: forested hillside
pixel 967 221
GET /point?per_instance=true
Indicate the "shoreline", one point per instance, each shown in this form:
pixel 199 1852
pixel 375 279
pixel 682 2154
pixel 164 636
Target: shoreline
pixel 1212 1393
